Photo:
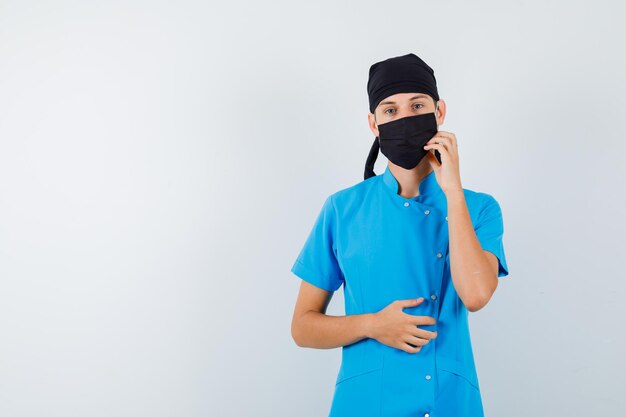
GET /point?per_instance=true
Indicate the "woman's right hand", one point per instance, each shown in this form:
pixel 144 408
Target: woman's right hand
pixel 397 329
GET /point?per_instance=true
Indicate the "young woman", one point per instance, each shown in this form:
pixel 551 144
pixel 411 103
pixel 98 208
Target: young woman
pixel 414 251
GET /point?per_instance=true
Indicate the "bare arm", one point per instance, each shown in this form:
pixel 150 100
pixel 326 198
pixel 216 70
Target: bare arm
pixel 312 327
pixel 474 270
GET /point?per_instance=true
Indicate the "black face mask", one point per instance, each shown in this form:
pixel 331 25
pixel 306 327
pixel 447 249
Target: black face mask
pixel 402 141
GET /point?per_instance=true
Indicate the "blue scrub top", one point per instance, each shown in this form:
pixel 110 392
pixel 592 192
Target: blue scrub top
pixel 384 247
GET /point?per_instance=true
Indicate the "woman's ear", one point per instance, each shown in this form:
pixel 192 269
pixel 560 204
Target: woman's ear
pixel 371 120
pixel 440 107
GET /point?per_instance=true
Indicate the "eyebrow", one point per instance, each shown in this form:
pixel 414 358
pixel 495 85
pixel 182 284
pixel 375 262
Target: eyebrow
pixel 412 98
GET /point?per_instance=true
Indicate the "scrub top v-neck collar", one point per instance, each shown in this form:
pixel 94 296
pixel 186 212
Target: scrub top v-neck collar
pixel 431 196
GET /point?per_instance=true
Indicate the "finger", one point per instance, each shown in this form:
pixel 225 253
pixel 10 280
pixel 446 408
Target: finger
pixel 416 341
pixel 446 134
pixel 447 146
pixel 412 302
pixel 443 151
pixel 433 161
pixel 422 320
pixel 437 144
pixel 439 138
pixel 423 334
pixel 449 135
pixel 409 348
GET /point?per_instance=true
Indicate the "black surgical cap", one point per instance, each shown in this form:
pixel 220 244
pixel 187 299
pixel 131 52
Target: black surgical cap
pixel 401 74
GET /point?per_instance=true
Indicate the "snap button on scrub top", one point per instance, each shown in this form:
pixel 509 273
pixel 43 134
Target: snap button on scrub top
pixel 382 247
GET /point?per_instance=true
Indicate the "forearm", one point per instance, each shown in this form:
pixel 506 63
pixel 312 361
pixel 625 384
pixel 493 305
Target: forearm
pixel 469 267
pixel 321 331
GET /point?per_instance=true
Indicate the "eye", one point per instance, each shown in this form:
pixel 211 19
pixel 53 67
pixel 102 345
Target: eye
pixel 387 111
pixel 418 104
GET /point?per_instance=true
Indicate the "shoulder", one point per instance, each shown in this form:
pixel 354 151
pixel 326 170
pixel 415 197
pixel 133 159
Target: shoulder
pixel 481 204
pixel 479 198
pixel 353 196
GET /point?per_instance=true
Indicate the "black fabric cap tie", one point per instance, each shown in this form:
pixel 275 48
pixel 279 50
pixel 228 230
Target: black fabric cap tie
pixel 371 159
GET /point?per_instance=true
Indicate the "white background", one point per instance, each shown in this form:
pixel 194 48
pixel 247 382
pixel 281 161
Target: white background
pixel 162 162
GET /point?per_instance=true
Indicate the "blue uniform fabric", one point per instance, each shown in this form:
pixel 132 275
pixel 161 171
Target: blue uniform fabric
pixel 384 247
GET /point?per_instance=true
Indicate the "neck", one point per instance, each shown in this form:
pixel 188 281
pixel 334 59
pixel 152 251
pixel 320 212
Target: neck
pixel 409 179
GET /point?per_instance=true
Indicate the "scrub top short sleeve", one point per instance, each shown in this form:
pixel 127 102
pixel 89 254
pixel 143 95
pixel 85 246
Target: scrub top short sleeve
pixel 489 230
pixel 317 262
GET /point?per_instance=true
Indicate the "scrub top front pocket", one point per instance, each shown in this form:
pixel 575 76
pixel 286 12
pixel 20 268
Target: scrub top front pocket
pixel 458 393
pixel 358 394
pixel 457 368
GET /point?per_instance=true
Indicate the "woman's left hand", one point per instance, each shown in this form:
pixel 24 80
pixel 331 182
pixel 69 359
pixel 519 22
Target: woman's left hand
pixel 446 173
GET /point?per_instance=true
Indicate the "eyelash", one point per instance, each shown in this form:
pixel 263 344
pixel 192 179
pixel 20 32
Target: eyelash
pixel 419 104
